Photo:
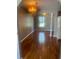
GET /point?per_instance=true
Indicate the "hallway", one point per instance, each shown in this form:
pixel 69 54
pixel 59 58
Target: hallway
pixel 39 29
pixel 40 46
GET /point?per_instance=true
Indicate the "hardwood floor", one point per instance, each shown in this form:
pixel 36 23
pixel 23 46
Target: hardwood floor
pixel 40 45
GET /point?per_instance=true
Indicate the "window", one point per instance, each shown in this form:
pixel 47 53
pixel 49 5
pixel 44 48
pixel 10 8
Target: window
pixel 41 21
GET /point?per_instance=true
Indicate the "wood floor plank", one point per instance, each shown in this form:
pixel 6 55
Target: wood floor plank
pixel 39 47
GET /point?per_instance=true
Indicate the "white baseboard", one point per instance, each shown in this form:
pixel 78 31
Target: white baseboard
pixel 58 37
pixel 26 36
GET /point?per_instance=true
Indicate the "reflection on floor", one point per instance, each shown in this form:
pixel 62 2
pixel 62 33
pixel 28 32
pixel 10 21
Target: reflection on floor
pixel 40 46
pixel 41 38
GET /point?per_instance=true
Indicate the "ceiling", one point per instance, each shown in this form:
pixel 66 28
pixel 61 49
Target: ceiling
pixel 46 5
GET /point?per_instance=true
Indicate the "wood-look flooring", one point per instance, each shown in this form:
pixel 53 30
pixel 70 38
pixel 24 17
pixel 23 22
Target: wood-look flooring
pixel 40 45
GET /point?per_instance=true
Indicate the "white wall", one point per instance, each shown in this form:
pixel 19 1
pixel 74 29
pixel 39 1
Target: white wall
pixel 18 2
pixel 18 51
pixel 57 27
pixel 25 25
